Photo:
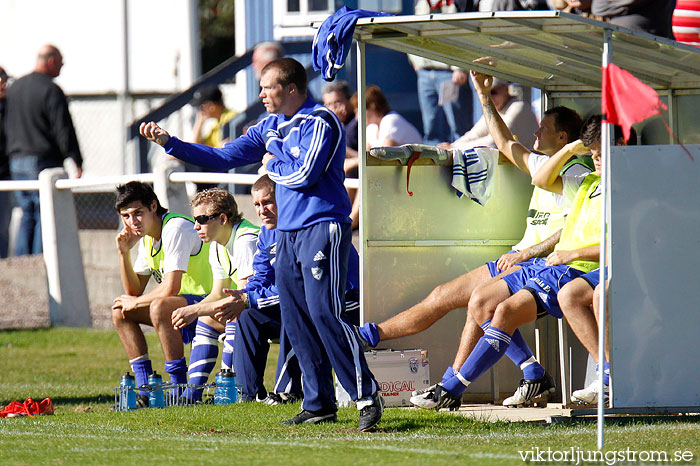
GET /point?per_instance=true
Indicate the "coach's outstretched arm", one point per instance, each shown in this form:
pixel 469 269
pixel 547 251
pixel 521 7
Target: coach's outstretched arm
pixel 154 133
pixel 243 151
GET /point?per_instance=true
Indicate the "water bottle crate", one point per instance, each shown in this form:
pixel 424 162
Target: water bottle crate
pixel 172 395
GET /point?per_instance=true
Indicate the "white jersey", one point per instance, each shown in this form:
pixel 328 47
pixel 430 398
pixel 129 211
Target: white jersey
pixel 179 241
pixel 235 259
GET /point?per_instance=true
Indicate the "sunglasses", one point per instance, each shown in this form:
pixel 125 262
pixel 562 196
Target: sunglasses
pixel 204 219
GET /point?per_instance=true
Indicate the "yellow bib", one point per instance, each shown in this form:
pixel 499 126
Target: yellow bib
pixel 197 280
pixel 582 228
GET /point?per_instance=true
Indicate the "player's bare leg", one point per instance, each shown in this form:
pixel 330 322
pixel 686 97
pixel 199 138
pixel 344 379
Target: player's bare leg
pixel 472 331
pixel 575 300
pixel 436 305
pixel 130 333
pixel 161 311
pixel 596 305
pixel 213 323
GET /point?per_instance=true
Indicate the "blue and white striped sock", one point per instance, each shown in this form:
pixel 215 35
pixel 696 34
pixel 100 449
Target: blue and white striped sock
pixel 205 349
pixel 227 356
pixel 490 348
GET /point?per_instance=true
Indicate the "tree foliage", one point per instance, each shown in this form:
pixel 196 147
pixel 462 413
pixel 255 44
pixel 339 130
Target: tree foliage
pixel 216 31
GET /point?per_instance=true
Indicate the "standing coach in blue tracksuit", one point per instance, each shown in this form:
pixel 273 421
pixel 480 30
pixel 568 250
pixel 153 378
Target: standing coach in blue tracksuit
pixel 302 146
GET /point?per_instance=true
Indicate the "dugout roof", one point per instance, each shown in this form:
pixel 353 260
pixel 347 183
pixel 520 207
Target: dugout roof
pixel 550 50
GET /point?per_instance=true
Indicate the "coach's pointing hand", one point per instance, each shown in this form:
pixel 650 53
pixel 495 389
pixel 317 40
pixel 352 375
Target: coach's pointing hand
pixel 154 133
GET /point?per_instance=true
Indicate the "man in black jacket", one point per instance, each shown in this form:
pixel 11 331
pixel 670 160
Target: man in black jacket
pixel 5 196
pixel 40 135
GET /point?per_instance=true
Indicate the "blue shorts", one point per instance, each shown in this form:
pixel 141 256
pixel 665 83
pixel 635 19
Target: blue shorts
pixel 543 282
pixel 493 268
pixel 593 277
pixel 189 331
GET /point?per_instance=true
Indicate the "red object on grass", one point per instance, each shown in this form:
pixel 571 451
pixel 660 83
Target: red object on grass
pixel 28 408
pixel 626 100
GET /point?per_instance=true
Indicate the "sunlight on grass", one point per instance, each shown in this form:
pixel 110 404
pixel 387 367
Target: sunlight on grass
pixel 79 369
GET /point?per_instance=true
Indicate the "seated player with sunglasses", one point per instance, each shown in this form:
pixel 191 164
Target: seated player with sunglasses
pixel 233 242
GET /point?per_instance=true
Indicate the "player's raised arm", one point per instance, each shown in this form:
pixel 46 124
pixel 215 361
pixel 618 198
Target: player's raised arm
pixel 502 136
pixel 548 176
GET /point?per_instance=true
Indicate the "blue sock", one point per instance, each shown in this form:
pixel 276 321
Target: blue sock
pixel 370 333
pixel 490 348
pixel 142 369
pixel 449 373
pixel 606 373
pixel 205 349
pixel 177 369
pixel 521 355
pixel 227 356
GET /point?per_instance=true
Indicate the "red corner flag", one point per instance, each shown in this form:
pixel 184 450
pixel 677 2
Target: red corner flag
pixel 626 100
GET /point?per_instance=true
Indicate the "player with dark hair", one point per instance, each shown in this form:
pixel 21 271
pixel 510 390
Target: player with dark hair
pixel 579 299
pixel 302 146
pixel 171 252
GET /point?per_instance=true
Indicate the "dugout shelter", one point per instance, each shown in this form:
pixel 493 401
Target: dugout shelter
pixel 411 244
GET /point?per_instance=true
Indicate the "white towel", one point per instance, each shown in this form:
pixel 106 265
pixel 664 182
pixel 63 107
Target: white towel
pixel 472 172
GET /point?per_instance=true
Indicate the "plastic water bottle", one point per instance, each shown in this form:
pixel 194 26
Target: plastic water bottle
pixel 225 392
pixel 127 400
pixel 156 398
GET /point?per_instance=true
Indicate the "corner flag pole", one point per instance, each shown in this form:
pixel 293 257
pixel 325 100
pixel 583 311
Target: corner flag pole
pixel 604 182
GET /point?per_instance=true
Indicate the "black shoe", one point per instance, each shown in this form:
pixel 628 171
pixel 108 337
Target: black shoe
pixel 531 392
pixel 372 414
pixel 310 417
pixel 274 399
pixel 141 401
pixel 437 397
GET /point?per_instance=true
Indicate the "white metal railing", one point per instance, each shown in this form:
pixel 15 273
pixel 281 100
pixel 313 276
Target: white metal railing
pixel 175 177
pixel 68 301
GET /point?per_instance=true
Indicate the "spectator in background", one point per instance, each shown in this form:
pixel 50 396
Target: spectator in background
pixel 336 97
pixel 40 135
pixel 5 196
pixel 652 16
pixel 516 114
pixel 210 104
pixel 384 127
pixel 444 94
pixel 264 53
pixel 513 5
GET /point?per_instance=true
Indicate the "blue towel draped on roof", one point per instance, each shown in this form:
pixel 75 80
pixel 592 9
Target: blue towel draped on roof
pixel 334 38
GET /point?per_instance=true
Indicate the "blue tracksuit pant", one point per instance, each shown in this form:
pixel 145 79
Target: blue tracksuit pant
pixel 311 272
pixel 254 328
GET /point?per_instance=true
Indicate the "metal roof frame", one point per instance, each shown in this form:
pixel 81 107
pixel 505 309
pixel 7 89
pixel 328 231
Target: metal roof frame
pixel 551 50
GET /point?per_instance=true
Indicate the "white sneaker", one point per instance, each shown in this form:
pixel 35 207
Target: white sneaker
pixel 531 392
pixel 589 395
pixel 420 391
pixel 437 397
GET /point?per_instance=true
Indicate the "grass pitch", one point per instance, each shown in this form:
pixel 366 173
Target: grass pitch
pixel 78 369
